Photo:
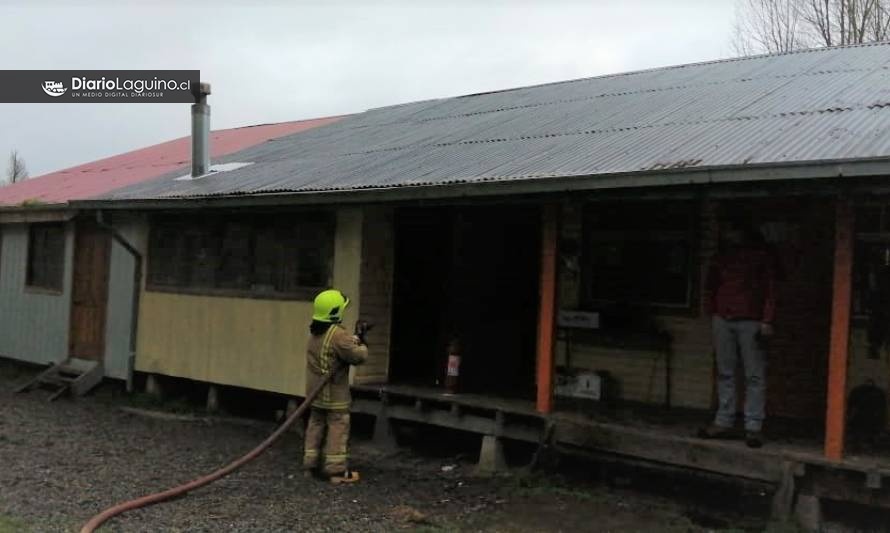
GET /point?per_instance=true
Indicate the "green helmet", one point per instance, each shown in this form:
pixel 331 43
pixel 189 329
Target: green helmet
pixel 329 306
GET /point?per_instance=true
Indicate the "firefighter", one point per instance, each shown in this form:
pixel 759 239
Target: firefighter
pixel 331 348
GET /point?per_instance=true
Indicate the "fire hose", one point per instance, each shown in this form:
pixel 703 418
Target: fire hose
pixel 185 488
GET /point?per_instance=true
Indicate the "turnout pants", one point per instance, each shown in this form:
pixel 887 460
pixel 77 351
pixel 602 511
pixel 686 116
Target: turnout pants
pixel 327 441
pixel 734 339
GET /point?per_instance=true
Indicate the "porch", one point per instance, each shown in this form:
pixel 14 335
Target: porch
pixel 651 437
pixel 656 339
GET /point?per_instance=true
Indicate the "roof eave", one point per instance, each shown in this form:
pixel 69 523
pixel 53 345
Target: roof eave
pixel 20 214
pixel 527 186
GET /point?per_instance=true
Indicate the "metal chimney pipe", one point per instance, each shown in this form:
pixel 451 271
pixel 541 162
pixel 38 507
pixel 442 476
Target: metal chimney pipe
pixel 200 131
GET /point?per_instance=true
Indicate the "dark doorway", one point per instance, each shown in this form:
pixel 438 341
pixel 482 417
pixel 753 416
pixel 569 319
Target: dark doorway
pixel 470 273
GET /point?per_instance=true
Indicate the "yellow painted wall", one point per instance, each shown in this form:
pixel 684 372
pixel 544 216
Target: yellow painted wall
pixel 245 342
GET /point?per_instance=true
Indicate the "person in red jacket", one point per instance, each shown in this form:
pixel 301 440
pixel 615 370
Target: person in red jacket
pixel 741 299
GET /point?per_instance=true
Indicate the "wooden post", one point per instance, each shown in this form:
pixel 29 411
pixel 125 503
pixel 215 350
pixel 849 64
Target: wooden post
pixel 546 311
pixel 840 331
pixel 212 399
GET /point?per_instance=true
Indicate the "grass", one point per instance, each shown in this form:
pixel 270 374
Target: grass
pixel 536 484
pixel 11 525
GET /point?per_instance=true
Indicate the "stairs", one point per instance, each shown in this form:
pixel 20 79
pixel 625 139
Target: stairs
pixel 76 376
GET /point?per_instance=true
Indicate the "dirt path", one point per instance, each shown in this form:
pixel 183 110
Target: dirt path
pixel 65 461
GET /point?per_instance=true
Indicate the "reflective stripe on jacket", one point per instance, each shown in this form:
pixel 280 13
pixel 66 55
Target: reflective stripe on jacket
pixel 323 351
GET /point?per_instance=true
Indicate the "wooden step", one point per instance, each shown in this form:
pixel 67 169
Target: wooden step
pixel 55 379
pixel 75 375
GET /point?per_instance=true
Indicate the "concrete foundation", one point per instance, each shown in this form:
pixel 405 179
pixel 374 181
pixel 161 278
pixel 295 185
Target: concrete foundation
pixel 153 386
pixel 384 433
pixel 808 512
pixel 212 399
pixel 491 457
pixel 783 500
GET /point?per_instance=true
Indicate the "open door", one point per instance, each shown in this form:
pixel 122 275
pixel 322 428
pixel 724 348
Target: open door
pixel 89 296
pixel 471 273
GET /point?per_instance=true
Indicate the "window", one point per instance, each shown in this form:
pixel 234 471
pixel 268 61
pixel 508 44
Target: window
pixel 871 264
pixel 46 256
pixel 871 276
pixel 639 253
pixel 253 255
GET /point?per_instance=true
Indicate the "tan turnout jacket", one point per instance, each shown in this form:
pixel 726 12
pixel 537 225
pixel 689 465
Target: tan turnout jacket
pixel 323 351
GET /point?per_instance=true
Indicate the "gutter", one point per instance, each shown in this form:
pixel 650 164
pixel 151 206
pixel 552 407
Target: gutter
pixel 137 292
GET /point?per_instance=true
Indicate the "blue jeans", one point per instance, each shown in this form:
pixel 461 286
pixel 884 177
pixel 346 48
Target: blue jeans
pixel 732 339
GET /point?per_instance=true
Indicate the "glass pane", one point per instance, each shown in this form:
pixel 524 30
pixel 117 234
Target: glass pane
pixel 315 255
pixel 201 256
pixel 267 258
pixel 639 253
pixel 235 256
pixel 868 219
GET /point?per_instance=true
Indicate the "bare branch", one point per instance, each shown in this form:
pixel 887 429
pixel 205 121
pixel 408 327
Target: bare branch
pixel 784 25
pixel 16 171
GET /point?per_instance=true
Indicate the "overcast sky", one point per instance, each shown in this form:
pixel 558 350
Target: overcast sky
pixel 294 60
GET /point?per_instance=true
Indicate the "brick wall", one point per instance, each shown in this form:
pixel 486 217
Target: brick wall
pixel 862 368
pixel 798 354
pixel 376 285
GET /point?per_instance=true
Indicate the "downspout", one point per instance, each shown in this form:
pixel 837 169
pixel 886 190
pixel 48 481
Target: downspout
pixel 137 290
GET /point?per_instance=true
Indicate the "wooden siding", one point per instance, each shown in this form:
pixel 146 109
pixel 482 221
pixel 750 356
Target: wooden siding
pixel 25 312
pixel 245 342
pixel 639 373
pixel 376 290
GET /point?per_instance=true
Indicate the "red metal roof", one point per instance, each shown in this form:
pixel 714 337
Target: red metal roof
pixel 105 175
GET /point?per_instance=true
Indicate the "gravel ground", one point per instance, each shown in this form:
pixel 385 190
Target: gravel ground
pixel 62 462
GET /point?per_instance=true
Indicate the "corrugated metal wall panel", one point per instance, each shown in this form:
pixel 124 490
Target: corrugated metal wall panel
pixel 120 296
pixel 33 326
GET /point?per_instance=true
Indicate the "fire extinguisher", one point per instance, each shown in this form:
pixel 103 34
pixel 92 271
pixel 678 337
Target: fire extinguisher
pixel 452 372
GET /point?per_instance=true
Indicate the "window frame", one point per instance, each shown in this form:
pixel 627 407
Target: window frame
pixel 863 237
pixel 218 222
pixel 692 236
pixel 30 285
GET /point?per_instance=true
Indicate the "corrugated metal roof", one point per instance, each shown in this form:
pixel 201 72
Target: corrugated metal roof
pixel 104 175
pixel 819 105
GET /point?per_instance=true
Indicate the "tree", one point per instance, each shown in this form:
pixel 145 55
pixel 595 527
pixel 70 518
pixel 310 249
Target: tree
pixel 786 25
pixel 16 171
pixel 767 26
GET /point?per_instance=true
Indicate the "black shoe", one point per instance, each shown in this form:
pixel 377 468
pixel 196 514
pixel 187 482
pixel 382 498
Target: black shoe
pixel 754 439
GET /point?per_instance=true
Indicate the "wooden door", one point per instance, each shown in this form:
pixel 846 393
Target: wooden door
pixel 89 294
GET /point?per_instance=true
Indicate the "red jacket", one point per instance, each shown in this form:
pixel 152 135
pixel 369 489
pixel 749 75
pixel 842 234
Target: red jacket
pixel 741 284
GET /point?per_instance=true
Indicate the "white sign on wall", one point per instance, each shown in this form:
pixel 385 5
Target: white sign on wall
pixel 578 319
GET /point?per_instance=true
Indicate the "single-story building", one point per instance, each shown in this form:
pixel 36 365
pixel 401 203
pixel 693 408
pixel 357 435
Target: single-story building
pixel 65 275
pixel 554 233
